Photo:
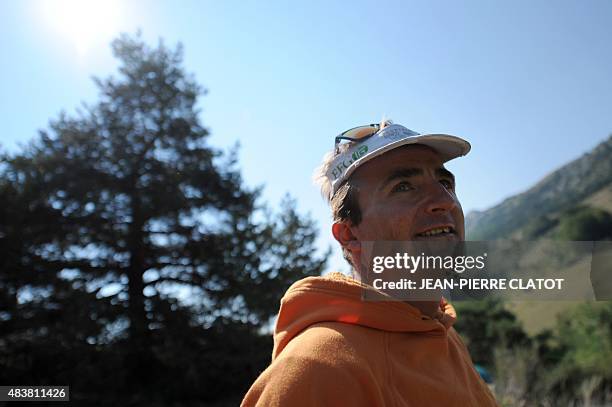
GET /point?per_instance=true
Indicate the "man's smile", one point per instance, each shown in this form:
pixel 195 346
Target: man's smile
pixel 438 232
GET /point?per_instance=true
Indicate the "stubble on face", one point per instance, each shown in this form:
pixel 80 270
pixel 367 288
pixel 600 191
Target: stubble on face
pixel 404 193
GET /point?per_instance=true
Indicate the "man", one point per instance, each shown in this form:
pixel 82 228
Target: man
pixel 331 348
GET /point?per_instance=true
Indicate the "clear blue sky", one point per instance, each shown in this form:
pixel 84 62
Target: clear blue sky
pixel 528 83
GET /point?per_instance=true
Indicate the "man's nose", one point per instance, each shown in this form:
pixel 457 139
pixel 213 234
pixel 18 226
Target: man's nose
pixel 440 199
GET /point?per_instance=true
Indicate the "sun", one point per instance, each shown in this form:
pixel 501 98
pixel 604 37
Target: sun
pixel 84 23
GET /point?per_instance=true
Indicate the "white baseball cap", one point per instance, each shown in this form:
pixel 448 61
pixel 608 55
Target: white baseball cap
pixel 371 141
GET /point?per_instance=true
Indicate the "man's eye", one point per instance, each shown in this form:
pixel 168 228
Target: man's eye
pixel 402 187
pixel 447 184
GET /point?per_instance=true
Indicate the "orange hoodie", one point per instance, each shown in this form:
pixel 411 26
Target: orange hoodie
pixel 333 349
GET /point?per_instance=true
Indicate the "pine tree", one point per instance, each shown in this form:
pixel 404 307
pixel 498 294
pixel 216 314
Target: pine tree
pixel 127 213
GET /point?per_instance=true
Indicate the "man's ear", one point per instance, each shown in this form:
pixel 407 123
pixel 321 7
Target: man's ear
pixel 344 234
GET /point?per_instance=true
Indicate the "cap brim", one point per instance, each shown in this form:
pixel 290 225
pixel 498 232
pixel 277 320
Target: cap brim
pixel 447 146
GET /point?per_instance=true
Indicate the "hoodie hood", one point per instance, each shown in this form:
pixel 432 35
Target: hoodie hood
pixel 337 298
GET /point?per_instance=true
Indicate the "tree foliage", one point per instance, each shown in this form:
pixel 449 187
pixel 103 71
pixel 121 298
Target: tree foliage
pixel 126 238
pixel 585 223
pixel 565 365
pixel 485 324
pixel 585 336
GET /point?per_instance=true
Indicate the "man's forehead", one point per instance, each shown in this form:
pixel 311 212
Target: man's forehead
pixel 410 157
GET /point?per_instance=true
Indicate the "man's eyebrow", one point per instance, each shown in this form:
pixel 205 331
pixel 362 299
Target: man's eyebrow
pixel 443 172
pixel 413 172
pixel 399 174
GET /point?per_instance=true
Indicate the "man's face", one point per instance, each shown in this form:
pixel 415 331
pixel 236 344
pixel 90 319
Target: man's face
pixel 405 194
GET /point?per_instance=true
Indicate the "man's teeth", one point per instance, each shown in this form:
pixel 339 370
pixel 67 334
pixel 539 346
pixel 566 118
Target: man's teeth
pixel 436 231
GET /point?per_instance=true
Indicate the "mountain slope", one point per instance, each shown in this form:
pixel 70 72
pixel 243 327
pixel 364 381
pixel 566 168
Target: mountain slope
pixel 537 213
pixel 587 179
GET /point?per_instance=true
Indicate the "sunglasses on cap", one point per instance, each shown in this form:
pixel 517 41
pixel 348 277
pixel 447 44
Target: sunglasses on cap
pixel 358 133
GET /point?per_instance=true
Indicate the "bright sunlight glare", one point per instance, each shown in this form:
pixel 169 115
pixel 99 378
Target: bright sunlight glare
pixel 84 23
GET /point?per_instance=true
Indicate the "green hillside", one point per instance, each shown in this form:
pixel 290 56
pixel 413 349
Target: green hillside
pixel 586 180
pixel 572 203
